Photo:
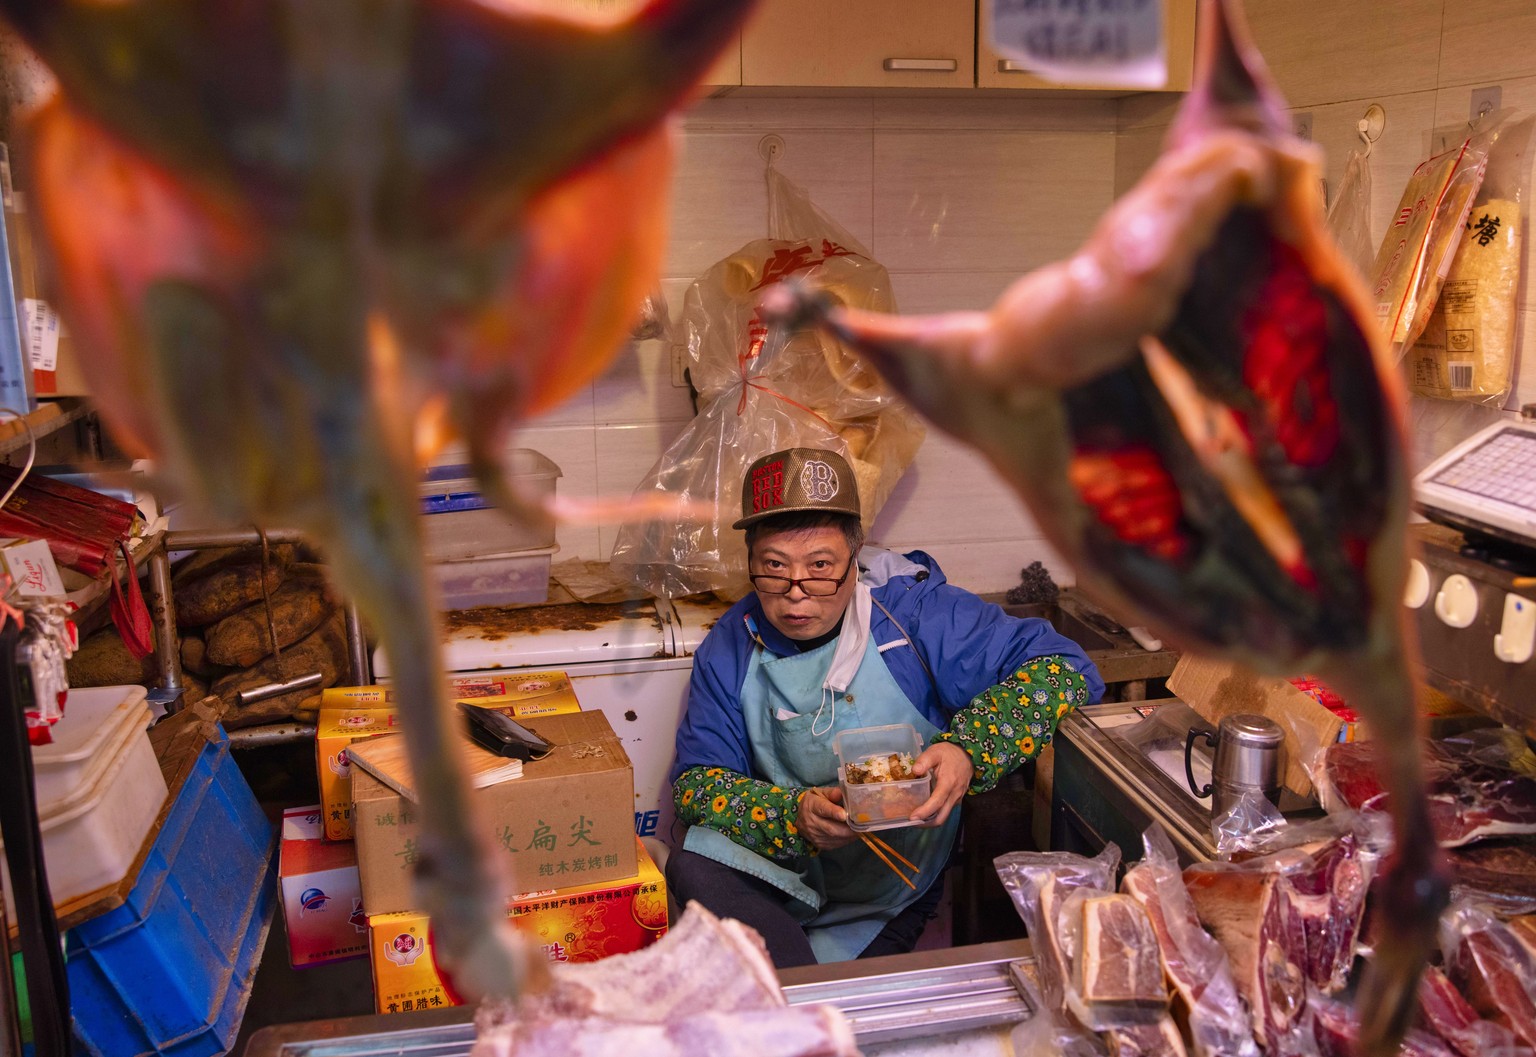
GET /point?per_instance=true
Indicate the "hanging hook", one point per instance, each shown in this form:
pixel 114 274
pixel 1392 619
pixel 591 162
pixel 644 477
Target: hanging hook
pixel 1370 126
pixel 771 147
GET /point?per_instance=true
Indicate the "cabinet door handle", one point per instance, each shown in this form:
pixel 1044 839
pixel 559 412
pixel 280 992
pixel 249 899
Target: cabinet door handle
pixel 926 65
pixel 1012 66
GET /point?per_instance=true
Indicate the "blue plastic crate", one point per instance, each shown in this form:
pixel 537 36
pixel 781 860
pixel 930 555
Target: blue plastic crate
pixel 170 970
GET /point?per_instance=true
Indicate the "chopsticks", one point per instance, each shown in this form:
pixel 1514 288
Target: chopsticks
pixel 881 848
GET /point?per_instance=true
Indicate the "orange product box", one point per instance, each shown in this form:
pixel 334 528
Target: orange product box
pixel 579 924
pixel 348 713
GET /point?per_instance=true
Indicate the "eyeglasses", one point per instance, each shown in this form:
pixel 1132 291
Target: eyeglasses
pixel 815 586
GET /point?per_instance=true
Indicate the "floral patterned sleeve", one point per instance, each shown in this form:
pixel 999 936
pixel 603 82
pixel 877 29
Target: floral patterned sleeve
pixel 1011 722
pixel 757 815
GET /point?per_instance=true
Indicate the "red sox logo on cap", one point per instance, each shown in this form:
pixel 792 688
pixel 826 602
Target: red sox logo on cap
pixel 819 481
pixel 768 486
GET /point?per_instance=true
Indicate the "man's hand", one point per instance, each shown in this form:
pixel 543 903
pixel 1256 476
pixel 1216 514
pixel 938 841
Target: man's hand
pixel 952 771
pixel 822 820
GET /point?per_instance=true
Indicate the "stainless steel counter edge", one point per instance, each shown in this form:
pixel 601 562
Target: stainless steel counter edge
pixel 905 995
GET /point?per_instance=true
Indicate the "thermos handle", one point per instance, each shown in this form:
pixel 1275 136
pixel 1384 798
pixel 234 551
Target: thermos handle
pixel 1189 769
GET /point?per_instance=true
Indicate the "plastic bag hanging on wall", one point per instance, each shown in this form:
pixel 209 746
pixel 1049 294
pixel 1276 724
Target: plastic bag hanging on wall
pixel 1349 217
pixel 1467 349
pixel 759 393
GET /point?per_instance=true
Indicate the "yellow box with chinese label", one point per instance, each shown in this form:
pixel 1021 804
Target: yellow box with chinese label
pixel 578 924
pixel 569 817
pixel 348 713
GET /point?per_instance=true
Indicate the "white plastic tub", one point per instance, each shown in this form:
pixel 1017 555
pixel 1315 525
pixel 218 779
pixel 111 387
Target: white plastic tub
pixel 459 522
pixel 92 837
pixel 95 719
pixel 521 577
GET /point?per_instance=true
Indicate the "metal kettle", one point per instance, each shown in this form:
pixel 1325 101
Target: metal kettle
pixel 1249 755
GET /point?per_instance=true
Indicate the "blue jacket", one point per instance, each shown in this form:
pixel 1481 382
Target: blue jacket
pixel 969 644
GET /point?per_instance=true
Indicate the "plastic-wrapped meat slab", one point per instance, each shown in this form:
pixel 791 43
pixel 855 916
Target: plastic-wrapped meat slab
pixel 707 987
pixel 1288 922
pixel 1445 1012
pixel 1472 795
pixel 1491 967
pixel 1193 961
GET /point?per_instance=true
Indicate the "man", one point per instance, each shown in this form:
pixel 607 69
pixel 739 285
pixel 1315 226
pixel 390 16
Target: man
pixel 827 644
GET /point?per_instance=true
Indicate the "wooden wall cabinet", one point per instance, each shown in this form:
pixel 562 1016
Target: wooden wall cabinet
pixel 726 73
pixel 994 70
pixel 861 44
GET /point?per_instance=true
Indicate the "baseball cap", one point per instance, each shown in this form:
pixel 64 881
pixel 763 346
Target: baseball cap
pixel 798 479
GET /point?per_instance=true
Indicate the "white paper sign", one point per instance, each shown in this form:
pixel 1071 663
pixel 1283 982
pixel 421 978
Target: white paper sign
pixel 40 327
pixel 32 568
pixel 1110 42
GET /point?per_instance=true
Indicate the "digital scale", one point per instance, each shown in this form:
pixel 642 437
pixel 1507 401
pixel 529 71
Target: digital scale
pixel 1486 485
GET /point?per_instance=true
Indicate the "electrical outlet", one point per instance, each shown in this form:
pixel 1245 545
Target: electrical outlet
pixel 1485 101
pixel 679 366
pixel 1301 124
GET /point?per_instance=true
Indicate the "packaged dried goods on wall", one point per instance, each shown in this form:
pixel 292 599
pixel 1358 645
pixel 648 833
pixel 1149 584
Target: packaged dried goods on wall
pixel 1467 348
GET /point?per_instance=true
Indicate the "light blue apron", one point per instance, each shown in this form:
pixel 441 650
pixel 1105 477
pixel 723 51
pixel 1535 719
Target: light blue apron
pixel 845 896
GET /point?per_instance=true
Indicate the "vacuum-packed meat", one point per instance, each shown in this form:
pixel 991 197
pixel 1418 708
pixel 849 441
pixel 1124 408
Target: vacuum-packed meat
pixel 1193 962
pixel 1161 1039
pixel 1472 796
pixel 1118 962
pixel 1492 968
pixel 1445 1012
pixel 1289 922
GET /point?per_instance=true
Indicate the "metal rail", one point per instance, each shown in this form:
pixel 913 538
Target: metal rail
pixel 906 996
pixel 168 655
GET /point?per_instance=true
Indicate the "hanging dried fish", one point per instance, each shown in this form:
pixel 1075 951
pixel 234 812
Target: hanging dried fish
pixel 1200 412
pixel 299 244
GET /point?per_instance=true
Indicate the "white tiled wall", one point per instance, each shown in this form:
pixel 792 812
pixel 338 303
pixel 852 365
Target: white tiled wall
pixel 959 195
pixel 1419 60
pixel 956 197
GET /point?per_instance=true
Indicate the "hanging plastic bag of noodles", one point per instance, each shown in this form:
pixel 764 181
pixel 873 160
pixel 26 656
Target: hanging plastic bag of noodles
pixel 760 392
pixel 1467 349
pixel 1422 237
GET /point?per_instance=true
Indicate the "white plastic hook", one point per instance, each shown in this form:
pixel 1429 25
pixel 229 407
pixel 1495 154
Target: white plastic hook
pixel 771 147
pixel 1370 126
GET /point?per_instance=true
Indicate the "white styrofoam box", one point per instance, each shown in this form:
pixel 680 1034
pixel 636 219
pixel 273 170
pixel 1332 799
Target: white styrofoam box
pixel 459 522
pixel 495 579
pixel 91 838
pixel 96 720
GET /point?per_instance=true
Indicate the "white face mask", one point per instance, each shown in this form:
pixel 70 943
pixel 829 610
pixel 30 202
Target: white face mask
pixel 852 641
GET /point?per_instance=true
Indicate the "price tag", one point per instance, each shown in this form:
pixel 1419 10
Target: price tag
pixel 40 328
pixel 1115 42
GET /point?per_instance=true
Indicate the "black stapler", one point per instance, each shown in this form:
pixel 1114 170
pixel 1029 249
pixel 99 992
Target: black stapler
pixel 499 733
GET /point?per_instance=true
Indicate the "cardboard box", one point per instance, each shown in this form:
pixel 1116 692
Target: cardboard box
pixel 322 896
pixel 580 924
pixel 335 729
pixel 569 817
pixel 348 713
pixel 519 694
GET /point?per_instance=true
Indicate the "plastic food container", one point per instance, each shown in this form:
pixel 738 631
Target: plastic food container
pixel 495 579
pixel 94 718
pixel 873 751
pixel 92 836
pixel 459 522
